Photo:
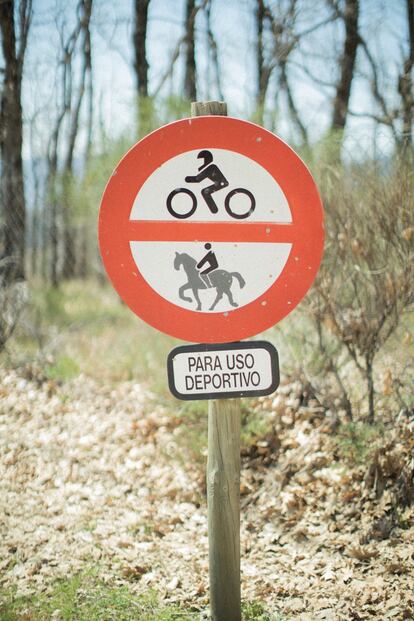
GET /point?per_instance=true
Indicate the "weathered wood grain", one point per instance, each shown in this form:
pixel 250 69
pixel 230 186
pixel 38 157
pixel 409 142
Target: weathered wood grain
pixel 223 482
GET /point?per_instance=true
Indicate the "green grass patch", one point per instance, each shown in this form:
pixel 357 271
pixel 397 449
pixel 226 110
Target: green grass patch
pixel 254 425
pixel 86 598
pixel 64 368
pixel 254 611
pixel 355 442
pixel 83 327
pixel 193 434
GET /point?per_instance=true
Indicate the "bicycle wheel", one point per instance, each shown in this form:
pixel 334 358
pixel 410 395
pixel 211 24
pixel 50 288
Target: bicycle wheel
pixel 240 215
pixel 185 211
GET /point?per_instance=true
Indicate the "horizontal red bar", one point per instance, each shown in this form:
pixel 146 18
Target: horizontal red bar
pixel 161 230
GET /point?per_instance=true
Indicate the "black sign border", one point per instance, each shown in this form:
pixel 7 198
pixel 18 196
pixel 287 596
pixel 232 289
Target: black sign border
pixel 205 347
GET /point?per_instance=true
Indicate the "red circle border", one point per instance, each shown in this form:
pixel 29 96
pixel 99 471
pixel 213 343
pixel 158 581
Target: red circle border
pixel 281 162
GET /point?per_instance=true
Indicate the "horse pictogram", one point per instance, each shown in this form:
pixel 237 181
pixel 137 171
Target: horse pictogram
pixel 221 280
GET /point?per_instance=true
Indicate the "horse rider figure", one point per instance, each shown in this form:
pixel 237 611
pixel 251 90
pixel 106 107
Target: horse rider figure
pixel 211 261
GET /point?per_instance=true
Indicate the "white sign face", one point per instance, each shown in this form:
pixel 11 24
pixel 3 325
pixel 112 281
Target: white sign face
pixel 227 266
pixel 217 371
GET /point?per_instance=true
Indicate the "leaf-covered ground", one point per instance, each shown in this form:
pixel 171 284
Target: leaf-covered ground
pixel 96 475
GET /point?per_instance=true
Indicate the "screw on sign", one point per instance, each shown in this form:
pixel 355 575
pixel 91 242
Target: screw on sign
pixel 211 229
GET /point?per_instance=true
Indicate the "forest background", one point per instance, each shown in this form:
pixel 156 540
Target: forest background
pixel 82 81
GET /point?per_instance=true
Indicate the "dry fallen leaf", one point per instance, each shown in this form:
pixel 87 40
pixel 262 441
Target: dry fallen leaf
pixel 408 233
pixel 397 568
pixel 134 572
pixel 86 482
pixel 363 553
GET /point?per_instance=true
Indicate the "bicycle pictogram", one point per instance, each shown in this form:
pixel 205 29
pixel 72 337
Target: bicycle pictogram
pixel 236 209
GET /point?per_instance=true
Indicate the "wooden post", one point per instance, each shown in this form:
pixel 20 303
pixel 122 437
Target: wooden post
pixel 223 497
pixel 223 482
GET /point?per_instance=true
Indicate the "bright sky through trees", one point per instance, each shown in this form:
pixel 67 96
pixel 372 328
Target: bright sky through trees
pixel 313 67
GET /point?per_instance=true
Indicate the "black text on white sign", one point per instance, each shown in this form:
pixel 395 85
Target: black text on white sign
pixel 245 369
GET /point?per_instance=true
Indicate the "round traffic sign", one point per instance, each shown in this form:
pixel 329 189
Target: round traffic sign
pixel 211 229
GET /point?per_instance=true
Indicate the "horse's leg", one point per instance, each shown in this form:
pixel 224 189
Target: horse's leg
pixel 195 292
pixel 230 296
pixel 181 292
pixel 218 298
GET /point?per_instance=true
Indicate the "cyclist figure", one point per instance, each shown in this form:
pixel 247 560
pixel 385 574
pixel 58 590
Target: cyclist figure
pixel 212 264
pixel 210 171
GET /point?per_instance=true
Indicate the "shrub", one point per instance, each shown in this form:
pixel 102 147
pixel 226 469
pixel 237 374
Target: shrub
pixel 365 285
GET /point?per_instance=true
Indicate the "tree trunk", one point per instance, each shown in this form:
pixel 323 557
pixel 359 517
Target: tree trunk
pixel 34 246
pixel 263 69
pixel 405 83
pixel 141 66
pixel 347 65
pixel 190 88
pixel 11 140
pixel 54 242
pixel 261 83
pixel 68 268
pixel 370 388
pixel 139 39
pixel 213 52
pixel 84 20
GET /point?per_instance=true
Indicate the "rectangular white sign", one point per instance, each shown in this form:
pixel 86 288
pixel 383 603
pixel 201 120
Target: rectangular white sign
pixel 223 370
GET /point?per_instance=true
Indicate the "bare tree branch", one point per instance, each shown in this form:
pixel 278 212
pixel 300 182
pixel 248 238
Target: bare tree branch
pixel 84 17
pixel 25 16
pixel 294 113
pixel 214 52
pixel 174 57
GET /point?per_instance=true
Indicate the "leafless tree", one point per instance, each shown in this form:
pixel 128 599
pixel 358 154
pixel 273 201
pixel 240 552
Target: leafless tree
pixel 393 107
pixel 289 35
pixel 14 41
pixel 84 10
pixel 363 292
pixel 84 18
pixel 190 86
pixel 140 51
pixel 61 258
pixel 187 42
pixel 141 65
pixel 349 14
pixel 286 39
pixel 405 82
pixel 264 67
pixel 213 48
pixel 279 36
